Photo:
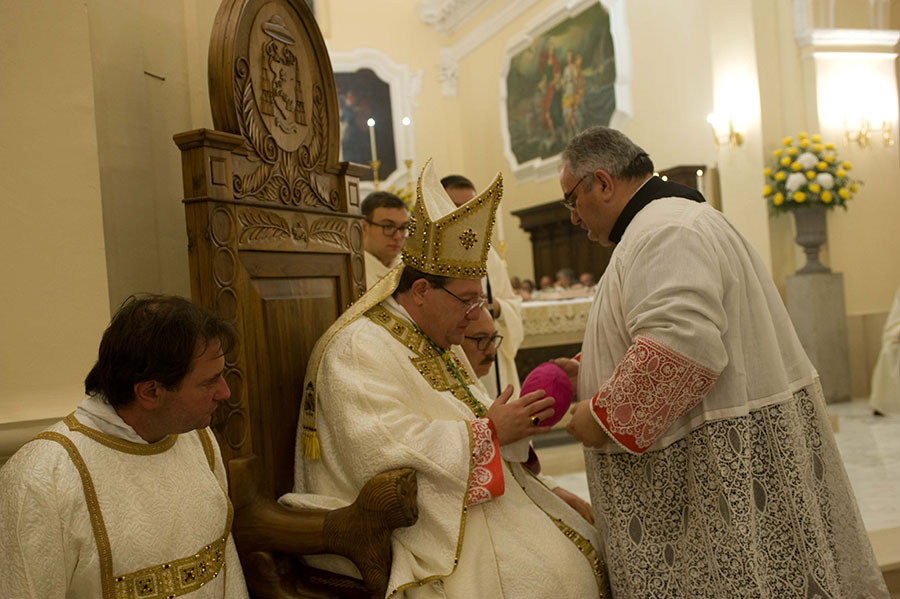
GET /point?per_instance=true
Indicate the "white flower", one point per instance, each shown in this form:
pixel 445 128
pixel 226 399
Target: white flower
pixel 808 160
pixel 825 180
pixel 795 181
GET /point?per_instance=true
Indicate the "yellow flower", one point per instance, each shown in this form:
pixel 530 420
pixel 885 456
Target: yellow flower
pixel 767 171
pixel 767 190
pixel 804 143
pixel 785 161
pixel 829 146
pixel 814 187
pixel 822 165
pixel 817 147
pixel 840 173
pixel 777 153
pixel 792 151
pixel 843 193
pixel 802 135
pixel 799 197
pixel 829 158
pixel 778 200
pixel 846 165
pixel 853 187
pixel 787 141
pixel 826 197
pixel 796 166
pixel 780 176
pixel 817 138
pixel 810 175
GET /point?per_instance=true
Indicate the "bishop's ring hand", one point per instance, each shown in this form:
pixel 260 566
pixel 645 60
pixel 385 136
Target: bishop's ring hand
pixel 535 421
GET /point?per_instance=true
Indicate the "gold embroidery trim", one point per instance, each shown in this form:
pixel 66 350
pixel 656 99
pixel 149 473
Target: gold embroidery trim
pixel 175 578
pixel 462 524
pixel 427 360
pixel 120 444
pixel 90 497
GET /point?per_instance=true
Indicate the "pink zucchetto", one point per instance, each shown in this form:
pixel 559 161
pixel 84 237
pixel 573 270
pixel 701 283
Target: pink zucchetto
pixel 555 382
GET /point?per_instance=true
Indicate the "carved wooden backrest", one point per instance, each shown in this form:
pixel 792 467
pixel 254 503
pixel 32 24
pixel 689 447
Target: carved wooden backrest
pixel 274 232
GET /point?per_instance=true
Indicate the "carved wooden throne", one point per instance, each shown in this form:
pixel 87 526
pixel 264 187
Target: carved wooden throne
pixel 275 245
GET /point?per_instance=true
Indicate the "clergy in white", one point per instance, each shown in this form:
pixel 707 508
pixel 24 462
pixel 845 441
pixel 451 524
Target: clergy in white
pixel 387 387
pixel 885 397
pixel 712 467
pixel 129 498
pixel 385 221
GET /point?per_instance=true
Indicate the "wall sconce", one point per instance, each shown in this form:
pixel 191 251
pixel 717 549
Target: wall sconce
pixel 863 135
pixel 723 131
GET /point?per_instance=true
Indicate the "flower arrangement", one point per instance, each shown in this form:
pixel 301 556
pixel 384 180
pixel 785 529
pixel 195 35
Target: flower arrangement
pixel 807 172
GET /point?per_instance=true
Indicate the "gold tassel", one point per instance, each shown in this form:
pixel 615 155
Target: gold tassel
pixel 311 449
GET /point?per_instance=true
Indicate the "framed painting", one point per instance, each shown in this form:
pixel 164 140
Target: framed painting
pixel 371 86
pixel 362 96
pixel 560 77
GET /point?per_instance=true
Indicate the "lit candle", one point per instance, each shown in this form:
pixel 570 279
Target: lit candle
pixel 371 124
pixel 406 127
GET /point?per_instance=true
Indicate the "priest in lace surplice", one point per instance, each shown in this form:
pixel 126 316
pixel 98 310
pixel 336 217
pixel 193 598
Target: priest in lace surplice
pixel 127 496
pixel 387 387
pixel 712 466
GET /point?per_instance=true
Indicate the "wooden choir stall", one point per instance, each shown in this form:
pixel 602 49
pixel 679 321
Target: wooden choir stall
pixel 275 245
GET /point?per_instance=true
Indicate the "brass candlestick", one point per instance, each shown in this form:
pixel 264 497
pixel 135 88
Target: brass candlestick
pixel 375 164
pixel 409 183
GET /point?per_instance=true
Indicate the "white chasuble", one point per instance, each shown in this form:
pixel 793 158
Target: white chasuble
pixel 388 399
pixel 722 478
pixel 89 514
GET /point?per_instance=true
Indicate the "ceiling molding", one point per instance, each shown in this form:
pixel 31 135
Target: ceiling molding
pixel 449 15
pixel 488 28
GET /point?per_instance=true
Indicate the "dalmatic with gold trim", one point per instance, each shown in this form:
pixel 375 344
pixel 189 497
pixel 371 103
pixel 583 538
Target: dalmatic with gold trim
pixel 89 510
pixel 387 398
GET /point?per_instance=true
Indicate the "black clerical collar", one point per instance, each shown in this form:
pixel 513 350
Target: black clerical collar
pixel 653 189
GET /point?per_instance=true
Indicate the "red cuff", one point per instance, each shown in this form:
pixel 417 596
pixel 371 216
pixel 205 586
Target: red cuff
pixel 577 357
pixel 651 388
pixel 487 468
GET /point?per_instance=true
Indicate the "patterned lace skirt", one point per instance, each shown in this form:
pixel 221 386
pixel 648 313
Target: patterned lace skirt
pixel 755 506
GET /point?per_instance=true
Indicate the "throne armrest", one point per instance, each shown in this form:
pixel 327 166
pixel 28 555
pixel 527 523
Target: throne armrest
pixel 267 533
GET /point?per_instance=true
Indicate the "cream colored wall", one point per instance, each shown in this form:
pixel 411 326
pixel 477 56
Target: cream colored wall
pixel 54 305
pixel 148 85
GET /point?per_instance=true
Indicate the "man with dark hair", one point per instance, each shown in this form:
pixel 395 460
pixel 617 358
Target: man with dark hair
pixel 387 386
pixel 127 496
pixel 385 223
pixel 505 305
pixel 712 465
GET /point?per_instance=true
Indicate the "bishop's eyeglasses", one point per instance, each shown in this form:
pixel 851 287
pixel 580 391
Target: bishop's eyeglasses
pixel 470 305
pixel 391 229
pixel 482 343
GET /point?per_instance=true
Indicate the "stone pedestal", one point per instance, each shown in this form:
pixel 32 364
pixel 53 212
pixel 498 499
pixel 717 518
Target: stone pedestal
pixel 815 302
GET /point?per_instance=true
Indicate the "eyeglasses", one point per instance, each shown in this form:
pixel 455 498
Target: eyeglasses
pixel 472 305
pixel 391 230
pixel 482 343
pixel 569 198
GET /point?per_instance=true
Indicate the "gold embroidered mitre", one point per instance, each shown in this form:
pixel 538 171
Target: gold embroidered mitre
pixel 449 241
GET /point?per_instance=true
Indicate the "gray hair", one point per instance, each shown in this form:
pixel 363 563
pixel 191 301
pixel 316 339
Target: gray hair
pixel 607 149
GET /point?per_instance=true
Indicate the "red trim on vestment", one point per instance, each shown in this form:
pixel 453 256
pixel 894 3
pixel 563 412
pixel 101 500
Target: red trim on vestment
pixel 487 468
pixel 652 387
